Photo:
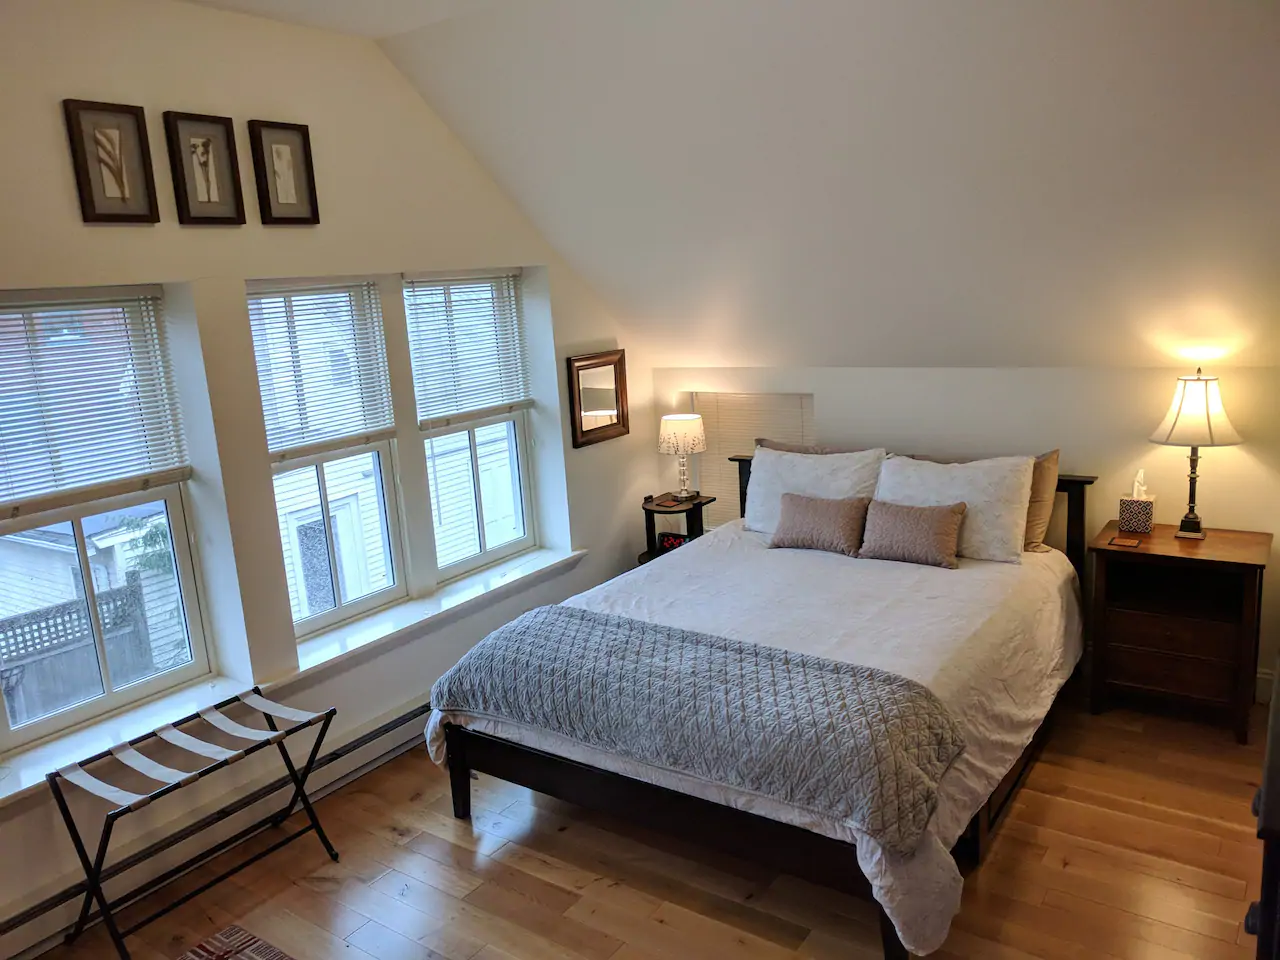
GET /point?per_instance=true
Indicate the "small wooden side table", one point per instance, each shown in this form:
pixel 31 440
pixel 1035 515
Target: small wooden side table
pixel 692 510
pixel 1178 620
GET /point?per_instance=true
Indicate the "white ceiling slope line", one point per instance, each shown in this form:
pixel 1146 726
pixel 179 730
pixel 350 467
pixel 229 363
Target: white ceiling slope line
pixel 366 18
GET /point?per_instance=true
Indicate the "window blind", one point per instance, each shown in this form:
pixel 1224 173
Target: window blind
pixel 87 404
pixel 322 366
pixel 466 341
pixel 732 422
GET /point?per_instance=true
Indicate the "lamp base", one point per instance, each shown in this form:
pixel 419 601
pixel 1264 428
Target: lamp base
pixel 1190 529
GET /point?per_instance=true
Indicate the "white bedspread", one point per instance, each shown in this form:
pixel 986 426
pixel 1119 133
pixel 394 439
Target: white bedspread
pixel 994 641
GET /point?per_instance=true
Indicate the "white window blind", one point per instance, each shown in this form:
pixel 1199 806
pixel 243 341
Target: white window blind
pixel 322 366
pixel 87 405
pixel 733 421
pixel 466 341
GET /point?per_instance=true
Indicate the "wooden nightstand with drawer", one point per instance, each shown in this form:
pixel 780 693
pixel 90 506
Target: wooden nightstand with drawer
pixel 1177 620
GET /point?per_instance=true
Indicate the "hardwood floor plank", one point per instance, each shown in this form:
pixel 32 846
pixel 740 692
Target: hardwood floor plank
pixel 1131 841
pixel 378 941
pixel 558 927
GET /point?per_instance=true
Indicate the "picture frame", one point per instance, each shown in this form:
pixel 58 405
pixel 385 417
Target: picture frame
pixel 598 397
pixel 284 172
pixel 111 156
pixel 205 168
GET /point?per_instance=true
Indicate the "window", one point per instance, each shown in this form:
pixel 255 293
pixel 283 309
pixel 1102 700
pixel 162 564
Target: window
pixel 326 400
pixel 97 602
pixel 470 377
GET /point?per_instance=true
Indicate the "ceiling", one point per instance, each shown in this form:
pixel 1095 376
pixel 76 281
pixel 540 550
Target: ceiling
pixel 366 18
pixel 879 182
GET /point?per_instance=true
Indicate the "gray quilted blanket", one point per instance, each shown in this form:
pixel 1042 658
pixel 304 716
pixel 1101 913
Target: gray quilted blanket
pixel 850 743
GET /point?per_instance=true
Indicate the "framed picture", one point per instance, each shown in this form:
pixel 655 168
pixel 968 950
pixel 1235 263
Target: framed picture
pixel 283 171
pixel 206 171
pixel 112 160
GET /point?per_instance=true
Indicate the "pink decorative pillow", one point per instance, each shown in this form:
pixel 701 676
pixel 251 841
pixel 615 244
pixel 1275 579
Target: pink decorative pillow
pixel 925 535
pixel 811 523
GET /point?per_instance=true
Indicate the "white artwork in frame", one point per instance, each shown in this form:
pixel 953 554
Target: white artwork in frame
pixel 285 178
pixel 205 167
pixel 111 158
pixel 285 173
pixel 109 152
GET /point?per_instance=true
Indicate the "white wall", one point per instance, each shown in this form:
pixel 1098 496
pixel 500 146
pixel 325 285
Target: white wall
pixel 397 192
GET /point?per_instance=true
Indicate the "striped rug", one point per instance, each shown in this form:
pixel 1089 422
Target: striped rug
pixel 234 944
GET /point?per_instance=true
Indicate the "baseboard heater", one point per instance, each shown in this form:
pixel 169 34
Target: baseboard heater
pixel 190 830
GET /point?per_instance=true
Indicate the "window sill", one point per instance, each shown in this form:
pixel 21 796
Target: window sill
pixel 22 772
pixel 409 619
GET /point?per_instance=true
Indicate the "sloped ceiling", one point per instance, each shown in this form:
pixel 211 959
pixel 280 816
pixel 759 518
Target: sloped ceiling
pixel 365 18
pixel 888 182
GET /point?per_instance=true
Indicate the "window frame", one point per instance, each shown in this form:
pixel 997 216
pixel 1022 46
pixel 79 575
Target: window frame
pixel 186 567
pixel 489 556
pixel 388 469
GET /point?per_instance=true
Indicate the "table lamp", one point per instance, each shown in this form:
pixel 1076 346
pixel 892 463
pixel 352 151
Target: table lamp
pixel 682 434
pixel 1195 419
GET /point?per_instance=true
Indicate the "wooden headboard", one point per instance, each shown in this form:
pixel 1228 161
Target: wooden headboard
pixel 1073 485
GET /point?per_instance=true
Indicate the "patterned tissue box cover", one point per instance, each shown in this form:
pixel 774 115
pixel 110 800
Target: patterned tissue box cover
pixel 1136 515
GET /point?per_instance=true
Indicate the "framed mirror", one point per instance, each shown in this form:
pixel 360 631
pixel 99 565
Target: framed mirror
pixel 598 397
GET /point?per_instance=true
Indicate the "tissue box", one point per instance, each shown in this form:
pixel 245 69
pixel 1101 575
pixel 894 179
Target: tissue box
pixel 1136 515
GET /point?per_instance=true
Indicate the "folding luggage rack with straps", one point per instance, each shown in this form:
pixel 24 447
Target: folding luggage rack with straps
pixel 126 802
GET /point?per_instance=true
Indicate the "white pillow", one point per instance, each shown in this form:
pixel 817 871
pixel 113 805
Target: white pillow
pixel 996 491
pixel 832 476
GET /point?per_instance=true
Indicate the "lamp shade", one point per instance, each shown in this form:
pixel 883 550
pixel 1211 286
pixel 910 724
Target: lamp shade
pixel 682 433
pixel 1196 417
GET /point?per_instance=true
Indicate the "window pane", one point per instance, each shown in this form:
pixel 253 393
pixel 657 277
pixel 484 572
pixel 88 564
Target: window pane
pixel 453 497
pixel 358 516
pixel 48 659
pixel 135 586
pixel 500 484
pixel 306 548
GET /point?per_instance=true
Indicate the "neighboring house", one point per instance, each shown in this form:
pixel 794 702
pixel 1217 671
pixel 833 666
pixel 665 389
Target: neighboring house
pixel 46 641
pixel 356 511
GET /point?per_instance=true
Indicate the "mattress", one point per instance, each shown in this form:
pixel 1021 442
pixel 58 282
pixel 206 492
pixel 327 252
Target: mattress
pixel 993 641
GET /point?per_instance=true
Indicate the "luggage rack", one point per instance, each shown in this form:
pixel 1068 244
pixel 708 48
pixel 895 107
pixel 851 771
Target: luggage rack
pixel 126 802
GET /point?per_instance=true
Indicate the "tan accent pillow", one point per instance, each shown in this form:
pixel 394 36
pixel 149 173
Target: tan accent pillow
pixel 818 448
pixel 926 535
pixel 812 523
pixel 1044 489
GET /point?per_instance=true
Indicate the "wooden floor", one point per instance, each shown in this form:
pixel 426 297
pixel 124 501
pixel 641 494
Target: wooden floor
pixel 1131 839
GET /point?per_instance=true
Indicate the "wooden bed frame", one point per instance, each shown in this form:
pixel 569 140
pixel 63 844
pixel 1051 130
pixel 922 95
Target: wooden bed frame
pixel 782 846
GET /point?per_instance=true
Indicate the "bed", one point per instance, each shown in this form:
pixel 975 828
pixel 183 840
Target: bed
pixel 994 641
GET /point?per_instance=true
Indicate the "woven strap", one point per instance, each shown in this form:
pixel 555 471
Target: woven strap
pixel 149 768
pixel 227 725
pixel 121 798
pixel 202 748
pixel 271 708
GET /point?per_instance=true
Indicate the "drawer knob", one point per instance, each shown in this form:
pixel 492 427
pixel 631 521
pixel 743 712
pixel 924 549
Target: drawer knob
pixel 1252 919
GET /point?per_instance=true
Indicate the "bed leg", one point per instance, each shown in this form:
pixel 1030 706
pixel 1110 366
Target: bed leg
pixel 893 948
pixel 459 774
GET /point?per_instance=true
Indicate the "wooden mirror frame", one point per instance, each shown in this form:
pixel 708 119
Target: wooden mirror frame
pixel 610 358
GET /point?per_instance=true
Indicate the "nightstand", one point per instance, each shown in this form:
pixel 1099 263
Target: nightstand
pixel 1177 620
pixel 653 507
